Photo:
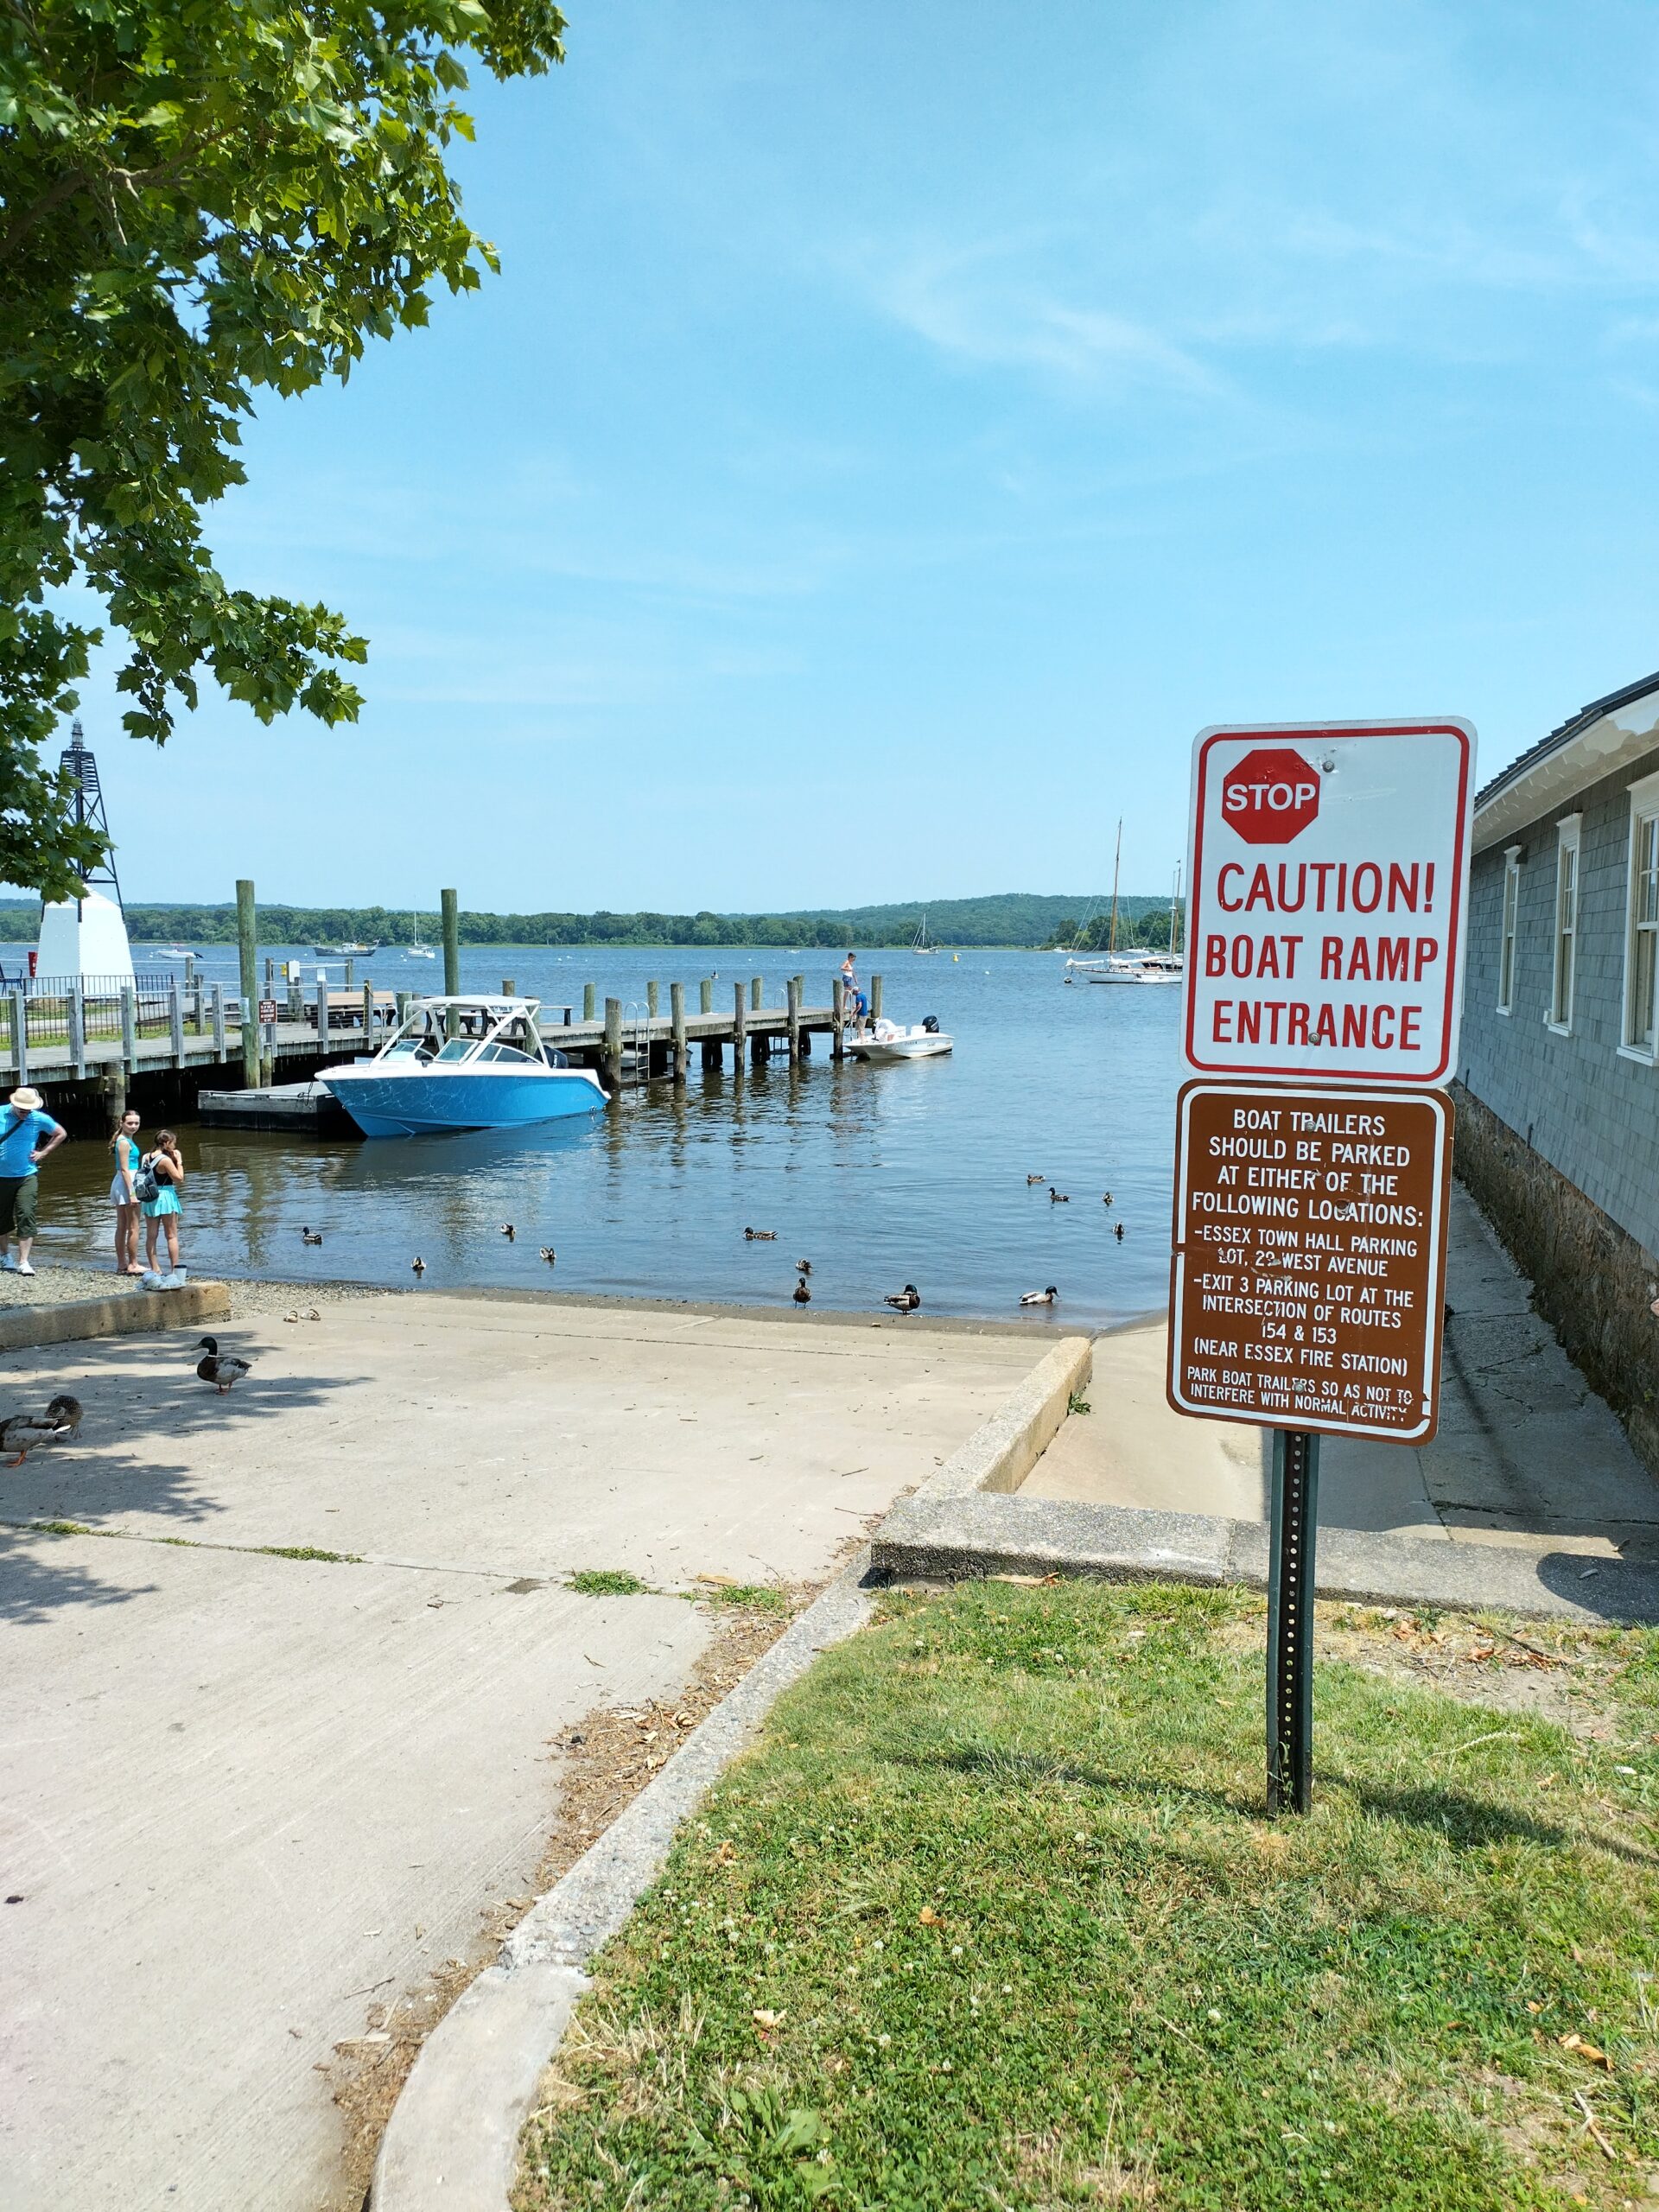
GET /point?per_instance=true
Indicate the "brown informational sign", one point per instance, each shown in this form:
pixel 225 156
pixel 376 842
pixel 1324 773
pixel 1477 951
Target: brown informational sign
pixel 1306 1289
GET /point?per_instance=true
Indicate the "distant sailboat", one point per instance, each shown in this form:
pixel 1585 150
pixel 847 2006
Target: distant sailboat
pixel 921 943
pixel 415 949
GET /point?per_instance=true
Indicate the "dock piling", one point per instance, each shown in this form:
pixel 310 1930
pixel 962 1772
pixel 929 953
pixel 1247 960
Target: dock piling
pixel 875 998
pixel 838 1019
pixel 653 999
pixel 368 1015
pixel 611 1067
pixel 129 1027
pixel 174 1021
pixel 793 990
pixel 220 1048
pixel 705 995
pixel 587 1013
pixel 248 952
pixel 19 1034
pixel 676 1016
pixel 450 919
pixel 740 1026
pixel 755 993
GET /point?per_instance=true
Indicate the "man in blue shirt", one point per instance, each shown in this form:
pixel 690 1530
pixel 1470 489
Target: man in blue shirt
pixel 27 1136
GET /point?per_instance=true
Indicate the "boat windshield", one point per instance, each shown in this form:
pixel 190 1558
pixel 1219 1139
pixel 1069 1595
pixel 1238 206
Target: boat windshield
pixel 458 1048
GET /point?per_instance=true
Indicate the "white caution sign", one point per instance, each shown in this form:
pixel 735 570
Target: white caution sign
pixel 1329 876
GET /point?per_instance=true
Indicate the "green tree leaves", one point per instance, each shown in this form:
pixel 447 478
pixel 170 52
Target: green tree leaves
pixel 199 199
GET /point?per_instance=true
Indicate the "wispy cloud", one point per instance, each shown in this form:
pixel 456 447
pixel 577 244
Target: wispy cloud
pixel 988 303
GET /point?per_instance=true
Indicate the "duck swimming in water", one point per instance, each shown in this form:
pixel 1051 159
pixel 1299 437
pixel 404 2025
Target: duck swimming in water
pixel 508 1231
pixel 1035 1178
pixel 762 1236
pixel 548 1254
pixel 221 1369
pixel 802 1266
pixel 1058 1197
pixel 27 1432
pixel 418 1264
pixel 906 1300
pixel 1040 1297
pixel 310 1236
pixel 1118 1232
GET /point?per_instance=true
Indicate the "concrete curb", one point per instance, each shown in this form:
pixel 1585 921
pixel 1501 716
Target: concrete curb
pixel 1003 1451
pixel 124 1313
pixel 453 2139
pixel 954 1538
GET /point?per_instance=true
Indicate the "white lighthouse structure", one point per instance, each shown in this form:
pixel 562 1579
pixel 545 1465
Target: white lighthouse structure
pixel 86 937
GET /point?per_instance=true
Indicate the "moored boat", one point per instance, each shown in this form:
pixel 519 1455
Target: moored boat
pixel 887 1041
pixel 495 1073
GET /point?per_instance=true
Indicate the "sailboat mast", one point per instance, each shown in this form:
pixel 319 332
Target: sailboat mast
pixel 1175 912
pixel 1117 859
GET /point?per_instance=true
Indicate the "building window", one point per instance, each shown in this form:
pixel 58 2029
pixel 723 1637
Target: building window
pixel 1506 946
pixel 1641 920
pixel 1567 922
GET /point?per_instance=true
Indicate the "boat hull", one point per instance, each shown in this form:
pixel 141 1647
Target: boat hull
pixel 879 1052
pixel 431 1100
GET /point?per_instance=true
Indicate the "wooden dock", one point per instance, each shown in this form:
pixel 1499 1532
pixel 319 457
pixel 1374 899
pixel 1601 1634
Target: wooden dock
pixel 80 1040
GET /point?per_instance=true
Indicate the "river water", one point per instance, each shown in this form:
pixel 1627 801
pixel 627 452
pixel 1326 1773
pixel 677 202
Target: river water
pixel 881 1176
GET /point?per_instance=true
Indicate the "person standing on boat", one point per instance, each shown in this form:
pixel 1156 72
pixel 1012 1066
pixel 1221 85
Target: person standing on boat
pixel 856 1004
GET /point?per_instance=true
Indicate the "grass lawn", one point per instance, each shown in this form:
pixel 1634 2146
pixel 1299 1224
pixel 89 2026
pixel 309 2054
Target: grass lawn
pixel 992 1917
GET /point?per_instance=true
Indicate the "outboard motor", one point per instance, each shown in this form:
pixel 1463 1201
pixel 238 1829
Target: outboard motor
pixel 931 1023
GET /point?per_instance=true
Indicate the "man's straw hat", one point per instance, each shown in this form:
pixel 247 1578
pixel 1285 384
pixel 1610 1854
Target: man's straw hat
pixel 27 1100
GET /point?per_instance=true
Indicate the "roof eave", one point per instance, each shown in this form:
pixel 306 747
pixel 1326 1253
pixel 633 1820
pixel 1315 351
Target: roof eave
pixel 1597 742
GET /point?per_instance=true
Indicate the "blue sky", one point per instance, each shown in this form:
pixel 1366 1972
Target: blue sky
pixel 897 429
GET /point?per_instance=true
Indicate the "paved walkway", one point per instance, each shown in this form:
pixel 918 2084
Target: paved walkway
pixel 246 1795
pixel 1526 1453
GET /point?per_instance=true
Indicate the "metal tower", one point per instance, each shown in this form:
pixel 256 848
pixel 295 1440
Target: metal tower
pixel 82 765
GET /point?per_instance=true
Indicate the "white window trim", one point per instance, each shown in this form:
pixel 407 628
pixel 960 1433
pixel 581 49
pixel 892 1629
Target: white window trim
pixel 1644 805
pixel 1568 839
pixel 1509 926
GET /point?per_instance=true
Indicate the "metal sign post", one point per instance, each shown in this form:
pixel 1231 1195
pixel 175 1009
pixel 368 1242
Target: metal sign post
pixel 1290 1619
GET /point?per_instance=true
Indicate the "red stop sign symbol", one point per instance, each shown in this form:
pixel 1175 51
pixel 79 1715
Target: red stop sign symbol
pixel 1270 796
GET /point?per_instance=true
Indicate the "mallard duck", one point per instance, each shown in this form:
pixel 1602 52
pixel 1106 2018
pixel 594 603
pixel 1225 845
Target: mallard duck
pixel 1118 1231
pixel 1107 1200
pixel 418 1264
pixel 1058 1197
pixel 1035 1178
pixel 508 1231
pixel 802 1266
pixel 802 1295
pixel 762 1236
pixel 548 1254
pixel 310 1236
pixel 1040 1297
pixel 26 1432
pixel 906 1300
pixel 220 1369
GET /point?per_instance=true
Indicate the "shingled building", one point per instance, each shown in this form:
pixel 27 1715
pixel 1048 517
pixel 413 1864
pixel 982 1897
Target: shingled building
pixel 1559 1098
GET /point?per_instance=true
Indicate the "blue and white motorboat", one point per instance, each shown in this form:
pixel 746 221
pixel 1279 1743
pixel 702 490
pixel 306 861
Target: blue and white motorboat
pixel 492 1073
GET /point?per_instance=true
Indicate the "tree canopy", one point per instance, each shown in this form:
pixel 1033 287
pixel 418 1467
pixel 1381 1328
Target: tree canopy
pixel 199 199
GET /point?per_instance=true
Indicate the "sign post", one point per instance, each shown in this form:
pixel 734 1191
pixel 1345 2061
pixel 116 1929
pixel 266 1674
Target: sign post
pixel 1328 872
pixel 1290 1619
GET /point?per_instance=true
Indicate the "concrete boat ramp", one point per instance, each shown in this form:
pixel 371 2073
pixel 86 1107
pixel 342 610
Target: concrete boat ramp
pixel 277 1738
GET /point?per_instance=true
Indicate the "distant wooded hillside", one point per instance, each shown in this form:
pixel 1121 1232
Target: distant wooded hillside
pixel 1008 918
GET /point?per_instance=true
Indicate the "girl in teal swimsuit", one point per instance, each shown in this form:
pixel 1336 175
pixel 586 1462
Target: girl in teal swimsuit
pixel 162 1212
